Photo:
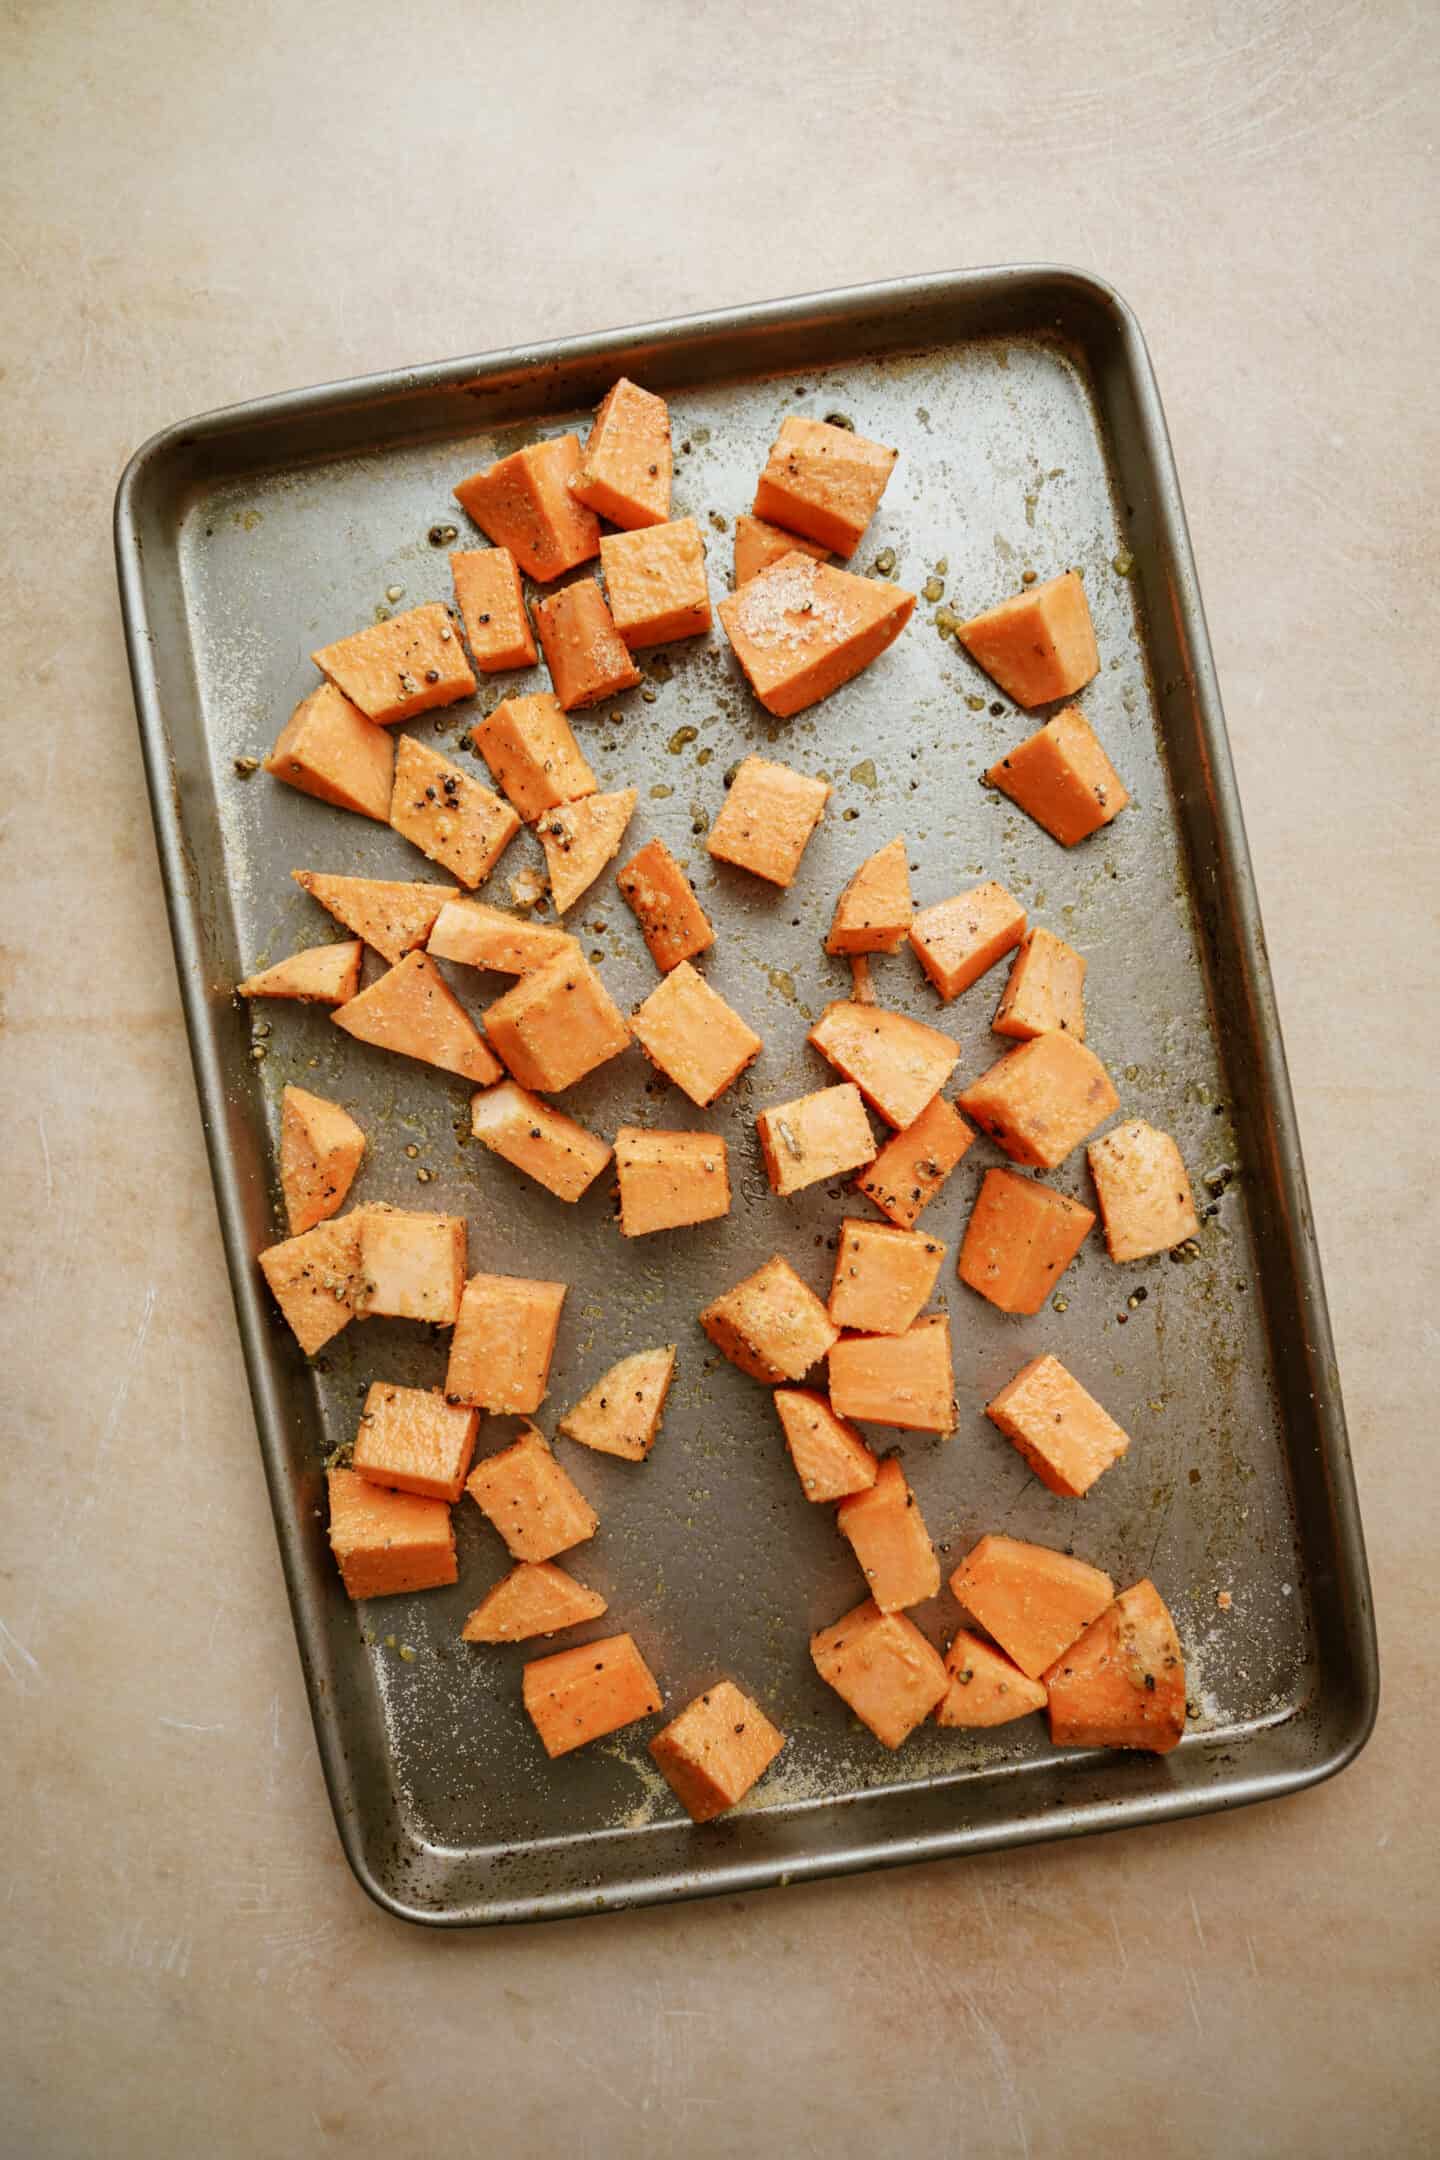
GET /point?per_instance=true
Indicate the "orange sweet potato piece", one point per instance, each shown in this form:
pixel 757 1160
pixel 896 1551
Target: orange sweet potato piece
pixel 823 481
pixel 898 1064
pixel 412 1264
pixel 672 921
pixel 558 1023
pixel 1061 1431
pixel 523 502
pixel 320 1151
pixel 986 1687
pixel 815 1137
pixel 579 838
pixel 1034 1602
pixel 621 1414
pixel 535 1505
pixel 579 1695
pixel 758 544
pixel 320 975
pixel 392 670
pixel 655 581
pixel 487 937
pixel 1038 646
pixel 314 1278
pixel 1146 1203
pixel 767 818
pixel 1020 1239
pixel 874 912
pixel 392 917
pixel 771 1325
pixel 448 815
pixel 914 1164
pixel 1062 778
pixel 413 1439
pixel 883 1277
pixel 627 467
pixel 503 1342
pixel 906 1380
pixel 887 1534
pixel 829 1455
pixel 531 749
pixel 882 1666
pixel 670 1180
pixel 386 1542
pixel 1046 990
pixel 958 940
pixel 803 628
pixel 413 1011
pixel 715 1750
pixel 538 1139
pixel 535 1598
pixel 586 655
pixel 328 749
pixel 688 1031
pixel 492 608
pixel 1123 1683
pixel 1042 1099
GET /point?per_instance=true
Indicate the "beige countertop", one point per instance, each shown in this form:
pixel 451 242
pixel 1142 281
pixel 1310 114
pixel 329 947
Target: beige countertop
pixel 201 204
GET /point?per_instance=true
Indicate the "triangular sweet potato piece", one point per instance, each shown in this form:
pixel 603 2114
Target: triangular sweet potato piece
pixel 758 544
pixel 535 1598
pixel 621 1414
pixel 1123 1683
pixel 328 749
pixel 391 916
pixel 320 1150
pixel 414 1011
pixel 985 1687
pixel 449 814
pixel 579 838
pixel 314 1279
pixel 320 975
pixel 874 912
pixel 831 1460
pixel 802 628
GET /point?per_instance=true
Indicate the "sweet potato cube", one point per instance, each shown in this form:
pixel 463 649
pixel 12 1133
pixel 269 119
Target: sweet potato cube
pixel 621 1414
pixel 413 1011
pixel 448 815
pixel 670 1180
pixel 1061 1431
pixel 387 1542
pixel 1042 1099
pixel 535 1598
pixel 986 1687
pixel 1123 1683
pixel 492 608
pixel 320 975
pixel 758 544
pixel 531 750
pixel 803 628
pixel 958 940
pixel 1020 1239
pixel 913 1165
pixel 503 1342
pixel 882 1666
pixel 413 1439
pixel 1062 778
pixel 523 502
pixel 392 670
pixel 1046 990
pixel 655 581
pixel 392 917
pixel 579 838
pixel 314 1278
pixel 672 921
pixel 815 1137
pixel 906 1380
pixel 887 1534
pixel 1146 1203
pixel 767 818
pixel 320 1151
pixel 696 1039
pixel 883 1277
pixel 873 913
pixel 557 1024
pixel 538 1139
pixel 830 1457
pixel 328 749
pixel 412 1264
pixel 588 659
pixel 579 1695
pixel 823 481
pixel 1038 646
pixel 1034 1602
pixel 627 467
pixel 771 1325
pixel 487 937
pixel 898 1064
pixel 716 1749
pixel 535 1505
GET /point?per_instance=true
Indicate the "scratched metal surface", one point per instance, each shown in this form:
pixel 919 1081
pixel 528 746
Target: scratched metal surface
pixel 708 1552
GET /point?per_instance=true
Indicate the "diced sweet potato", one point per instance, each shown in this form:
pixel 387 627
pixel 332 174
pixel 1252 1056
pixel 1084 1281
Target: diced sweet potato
pixel 579 1695
pixel 815 1137
pixel 487 937
pixel 448 815
pixel 557 1024
pixel 823 481
pixel 912 1166
pixel 1042 1099
pixel 627 467
pixel 531 749
pixel 492 608
pixel 392 670
pixel 320 975
pixel 873 913
pixel 655 580
pixel 1061 1431
pixel 313 1278
pixel 413 1439
pixel 986 1687
pixel 1020 1239
pixel 413 1011
pixel 392 917
pixel 883 1277
pixel 882 1666
pixel 1146 1203
pixel 535 1598
pixel 906 1380
pixel 523 502
pixel 503 1342
pixel 898 1064
pixel 621 1414
pixel 829 1455
pixel 672 921
pixel 767 818
pixel 586 655
pixel 1062 778
pixel 320 1151
pixel 716 1749
pixel 538 1139
pixel 670 1180
pixel 385 1542
pixel 328 749
pixel 1046 990
pixel 803 628
pixel 771 1325
pixel 535 1505
pixel 887 1534
pixel 958 940
pixel 696 1039
pixel 1123 1683
pixel 579 838
pixel 758 544
pixel 412 1264
pixel 1038 646
pixel 1034 1602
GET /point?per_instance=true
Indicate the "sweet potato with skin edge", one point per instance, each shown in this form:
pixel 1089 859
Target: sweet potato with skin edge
pixel 537 1138
pixel 392 917
pixel 588 659
pixel 413 1012
pixel 1062 778
pixel 532 752
pixel 831 1460
pixel 503 1342
pixel 1046 990
pixel 716 1750
pixel 320 975
pixel 487 937
pixel 492 608
pixel 898 1064
pixel 627 467
pixel 883 1277
pixel 1034 1602
pixel 690 1034
pixel 1062 1432
pixel 314 1278
pixel 413 1440
pixel 1145 1199
pixel 1123 1683
pixel 1041 1100
pixel 655 582
pixel 904 1380
pixel 328 749
pixel 579 1695
pixel 535 1505
pixel 1039 645
pixel 883 1668
pixel 672 922
pixel 874 912
pixel 670 1180
pixel 957 941
pixel 448 815
pixel 535 1598
pixel 386 1543
pixel 557 1024
pixel 393 670
pixel 321 1148
pixel 758 544
pixel 767 818
pixel 1020 1239
pixel 886 1532
pixel 771 1325
pixel 815 1137
pixel 823 481
pixel 986 1688
pixel 914 1164
pixel 621 1414
pixel 579 838
pixel 524 503
pixel 802 629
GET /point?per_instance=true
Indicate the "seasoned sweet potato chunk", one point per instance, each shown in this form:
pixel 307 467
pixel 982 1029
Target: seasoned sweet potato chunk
pixel 1038 646
pixel 767 818
pixel 717 1748
pixel 392 670
pixel 882 1666
pixel 524 503
pixel 328 749
pixel 802 629
pixel 771 1325
pixel 823 481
